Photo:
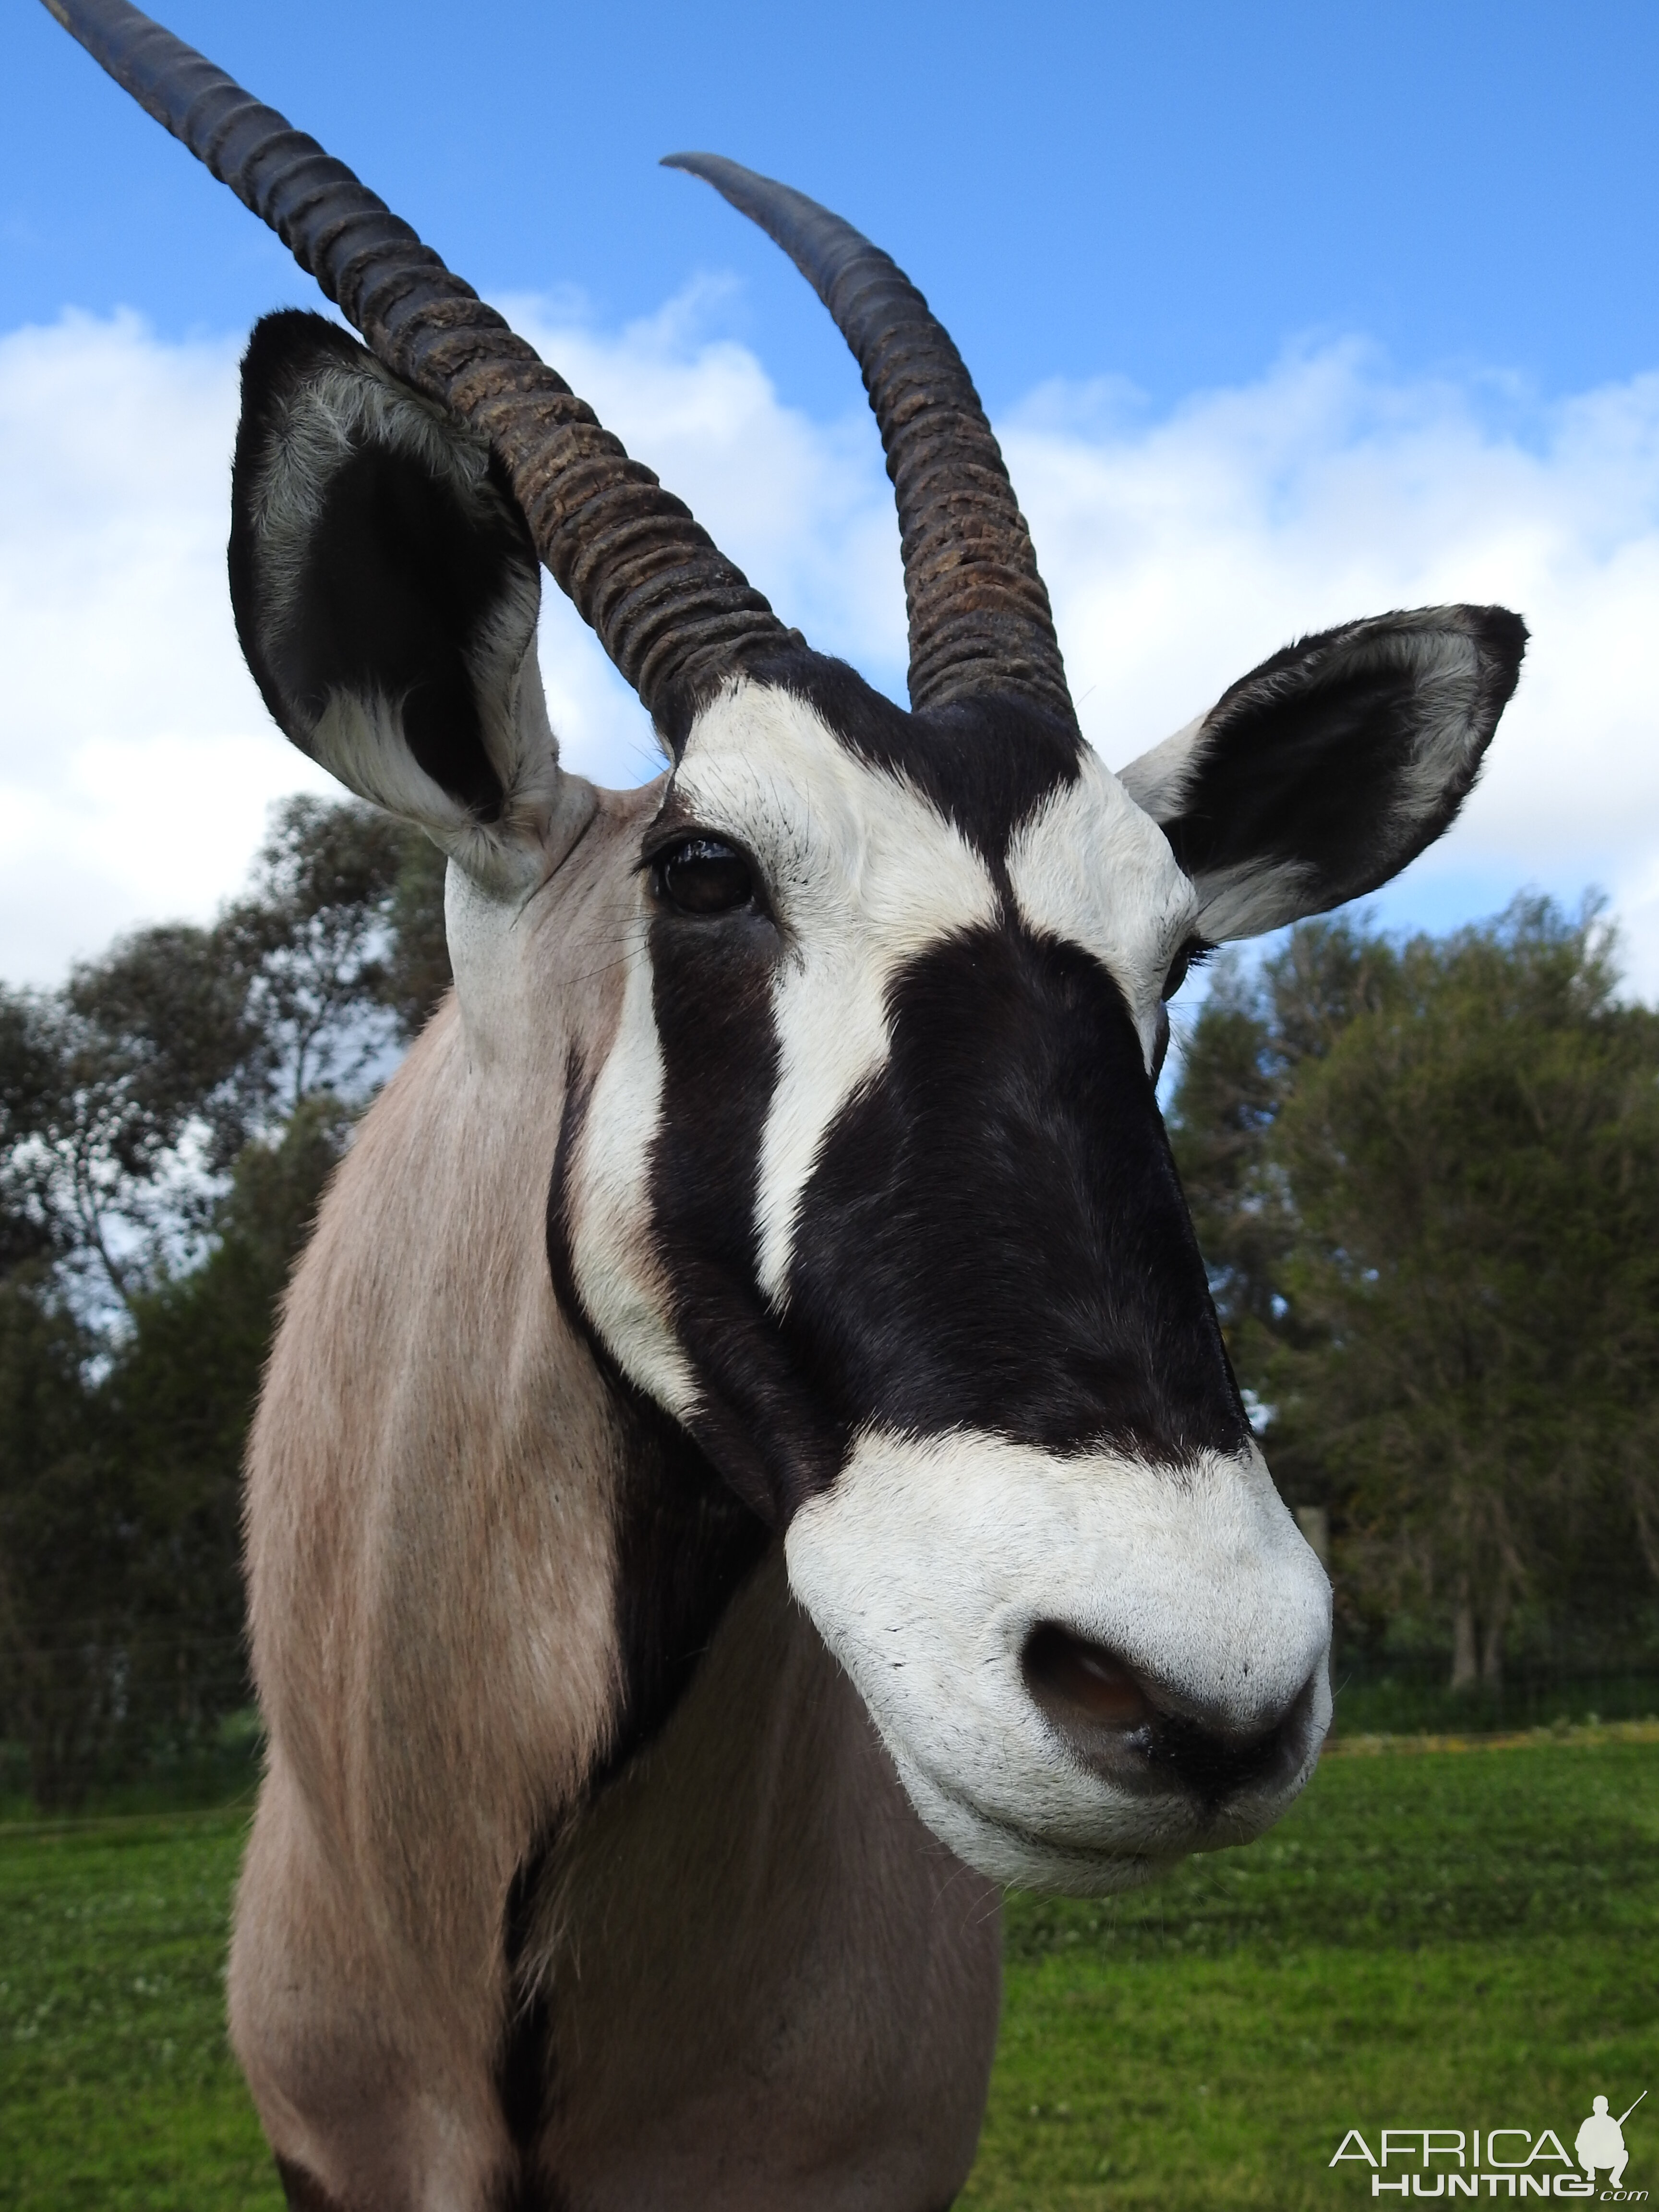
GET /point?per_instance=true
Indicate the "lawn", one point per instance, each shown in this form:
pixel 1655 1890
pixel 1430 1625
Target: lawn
pixel 1446 1938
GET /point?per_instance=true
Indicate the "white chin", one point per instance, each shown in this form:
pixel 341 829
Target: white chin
pixel 1018 1859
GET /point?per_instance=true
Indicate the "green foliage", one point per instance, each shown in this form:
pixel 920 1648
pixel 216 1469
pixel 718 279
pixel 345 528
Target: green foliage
pixel 330 981
pixel 1426 1177
pixel 417 972
pixel 65 1521
pixel 105 1080
pixel 167 1121
pixel 120 1588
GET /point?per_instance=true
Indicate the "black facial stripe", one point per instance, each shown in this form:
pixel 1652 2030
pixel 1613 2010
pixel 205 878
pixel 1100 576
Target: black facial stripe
pixel 713 986
pixel 684 1542
pixel 524 2061
pixel 995 1236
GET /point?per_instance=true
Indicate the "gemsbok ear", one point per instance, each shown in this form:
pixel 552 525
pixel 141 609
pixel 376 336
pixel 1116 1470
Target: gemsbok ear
pixel 1323 772
pixel 386 590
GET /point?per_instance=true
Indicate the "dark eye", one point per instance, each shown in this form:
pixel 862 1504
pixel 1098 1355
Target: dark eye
pixel 703 876
pixel 1161 1042
pixel 1177 975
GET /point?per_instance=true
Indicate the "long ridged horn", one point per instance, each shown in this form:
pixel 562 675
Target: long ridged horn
pixel 669 608
pixel 980 618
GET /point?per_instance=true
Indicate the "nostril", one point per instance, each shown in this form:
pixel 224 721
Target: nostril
pixel 1211 1767
pixel 1132 1733
pixel 1073 1681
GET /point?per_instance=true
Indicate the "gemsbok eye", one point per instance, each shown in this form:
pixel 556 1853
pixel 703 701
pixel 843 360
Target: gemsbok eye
pixel 703 876
pixel 1190 950
pixel 1161 1044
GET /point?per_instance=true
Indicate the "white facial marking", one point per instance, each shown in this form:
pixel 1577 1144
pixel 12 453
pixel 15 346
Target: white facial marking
pixel 1090 868
pixel 1159 780
pixel 864 875
pixel 931 1560
pixel 612 1256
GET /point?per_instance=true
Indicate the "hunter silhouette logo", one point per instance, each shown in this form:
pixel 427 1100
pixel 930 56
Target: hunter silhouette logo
pixel 1600 2141
pixel 1500 2162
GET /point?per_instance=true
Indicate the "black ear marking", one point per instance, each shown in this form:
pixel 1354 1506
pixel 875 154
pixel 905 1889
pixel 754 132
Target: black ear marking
pixel 375 555
pixel 1328 769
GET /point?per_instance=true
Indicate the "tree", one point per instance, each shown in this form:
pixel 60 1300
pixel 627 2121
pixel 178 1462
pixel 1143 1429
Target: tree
pixel 124 1097
pixel 167 1121
pixel 120 1480
pixel 141 1054
pixel 175 1409
pixel 308 945
pixel 29 1083
pixel 418 970
pixel 65 1526
pixel 1238 1066
pixel 1429 1178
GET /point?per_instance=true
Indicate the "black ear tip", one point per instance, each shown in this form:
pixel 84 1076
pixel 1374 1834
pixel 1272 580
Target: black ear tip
pixel 295 335
pixel 1502 632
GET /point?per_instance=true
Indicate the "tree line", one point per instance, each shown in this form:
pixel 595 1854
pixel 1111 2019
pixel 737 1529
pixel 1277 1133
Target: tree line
pixel 167 1120
pixel 1424 1174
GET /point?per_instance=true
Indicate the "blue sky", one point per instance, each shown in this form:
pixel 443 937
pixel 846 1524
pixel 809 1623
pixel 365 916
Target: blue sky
pixel 1277 308
pixel 1164 194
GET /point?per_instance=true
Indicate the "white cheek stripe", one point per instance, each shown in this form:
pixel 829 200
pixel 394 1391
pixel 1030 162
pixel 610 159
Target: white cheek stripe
pixel 865 876
pixel 612 1255
pixel 1090 868
pixel 929 1562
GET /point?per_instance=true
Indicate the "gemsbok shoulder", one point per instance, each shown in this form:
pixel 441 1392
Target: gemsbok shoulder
pixel 748 1465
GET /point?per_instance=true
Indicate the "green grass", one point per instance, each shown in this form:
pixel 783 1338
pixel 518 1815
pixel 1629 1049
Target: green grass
pixel 117 2088
pixel 1443 1939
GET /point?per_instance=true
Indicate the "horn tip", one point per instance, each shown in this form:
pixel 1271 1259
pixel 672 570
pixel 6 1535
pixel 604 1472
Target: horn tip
pixel 711 167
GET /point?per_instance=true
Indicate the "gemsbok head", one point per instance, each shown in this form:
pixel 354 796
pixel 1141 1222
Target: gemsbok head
pixel 787 1174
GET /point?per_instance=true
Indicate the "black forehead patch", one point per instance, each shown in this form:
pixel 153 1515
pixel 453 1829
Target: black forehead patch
pixel 986 763
pixel 996 1236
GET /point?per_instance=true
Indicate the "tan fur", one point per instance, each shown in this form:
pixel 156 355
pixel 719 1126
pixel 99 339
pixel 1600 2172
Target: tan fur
pixel 769 1985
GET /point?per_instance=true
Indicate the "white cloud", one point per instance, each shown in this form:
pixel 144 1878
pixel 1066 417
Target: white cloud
pixel 135 761
pixel 1182 553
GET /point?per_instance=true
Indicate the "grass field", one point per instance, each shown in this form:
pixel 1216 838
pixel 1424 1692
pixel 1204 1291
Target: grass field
pixel 1447 1938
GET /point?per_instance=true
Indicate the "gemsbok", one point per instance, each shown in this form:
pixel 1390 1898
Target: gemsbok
pixel 748 1465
